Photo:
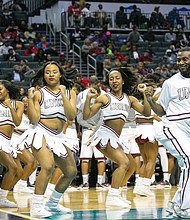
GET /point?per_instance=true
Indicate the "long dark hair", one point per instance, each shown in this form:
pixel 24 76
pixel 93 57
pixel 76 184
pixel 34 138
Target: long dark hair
pixel 128 77
pixel 40 75
pixel 14 91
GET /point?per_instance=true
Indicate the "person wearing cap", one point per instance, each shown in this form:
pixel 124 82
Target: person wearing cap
pixel 157 19
pixel 174 19
pixel 170 36
pixel 87 16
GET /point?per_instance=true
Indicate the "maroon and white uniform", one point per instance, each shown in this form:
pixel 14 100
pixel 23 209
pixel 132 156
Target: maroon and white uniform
pixel 174 131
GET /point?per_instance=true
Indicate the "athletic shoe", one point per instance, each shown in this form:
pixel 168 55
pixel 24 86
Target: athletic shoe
pixel 59 209
pixel 183 213
pixel 99 186
pixel 170 207
pixel 165 184
pixel 125 200
pixel 84 186
pixel 143 190
pixel 116 202
pixel 153 185
pixel 39 211
pixel 5 203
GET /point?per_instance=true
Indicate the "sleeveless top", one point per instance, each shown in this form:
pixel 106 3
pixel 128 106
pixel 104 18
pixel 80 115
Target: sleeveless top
pixel 5 114
pixel 51 104
pixel 116 108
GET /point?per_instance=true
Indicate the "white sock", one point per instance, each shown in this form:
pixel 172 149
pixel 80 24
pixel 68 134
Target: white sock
pixel 153 178
pixel 139 181
pixel 32 177
pixel 169 174
pixel 165 176
pixel 85 178
pixel 3 194
pixel 22 183
pixel 51 186
pixel 100 179
pixel 136 177
pixel 54 199
pixel 113 192
pixel 37 199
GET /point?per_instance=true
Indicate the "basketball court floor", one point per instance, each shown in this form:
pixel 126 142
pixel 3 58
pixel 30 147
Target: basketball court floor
pixel 90 205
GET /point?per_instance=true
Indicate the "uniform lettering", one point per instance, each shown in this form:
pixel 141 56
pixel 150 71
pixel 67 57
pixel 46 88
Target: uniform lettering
pixel 119 106
pixel 5 113
pixel 50 103
pixel 183 93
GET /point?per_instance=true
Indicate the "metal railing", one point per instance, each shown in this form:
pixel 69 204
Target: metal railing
pixel 91 62
pixel 64 41
pixel 77 53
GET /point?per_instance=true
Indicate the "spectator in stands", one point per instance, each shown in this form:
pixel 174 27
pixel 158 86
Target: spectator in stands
pixel 48 58
pixel 135 53
pixel 171 56
pixel 145 58
pixel 134 36
pixel 149 35
pixel 174 19
pixel 110 63
pixel 165 72
pixel 74 13
pixel 11 56
pixel 100 59
pixel 135 16
pixel 16 6
pixel 182 37
pixel 17 43
pixel 121 18
pixel 40 56
pixel 98 39
pixel 170 36
pixel 31 50
pixel 119 55
pixel 17 76
pixel 94 50
pixel 157 20
pixel 142 71
pixel 11 30
pixel 74 36
pixel 5 47
pixel 7 13
pixel 62 59
pixel 88 20
pixel 70 69
pixel 43 44
pixel 51 50
pixel 30 34
pixel 24 66
pixel 85 49
pixel 108 40
pixel 23 26
pixel 127 47
pixel 101 17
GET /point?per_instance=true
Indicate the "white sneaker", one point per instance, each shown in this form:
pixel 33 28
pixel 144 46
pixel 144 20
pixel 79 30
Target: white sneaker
pixel 116 202
pixel 59 209
pixel 125 200
pixel 39 211
pixel 183 213
pixel 5 203
pixel 143 190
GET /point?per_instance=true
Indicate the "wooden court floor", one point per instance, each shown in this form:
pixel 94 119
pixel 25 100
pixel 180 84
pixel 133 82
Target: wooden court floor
pixel 90 205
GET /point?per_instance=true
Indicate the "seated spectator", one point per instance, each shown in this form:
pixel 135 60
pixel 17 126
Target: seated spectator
pixel 142 70
pixel 74 36
pixel 31 50
pixel 40 56
pixel 110 63
pixel 30 34
pixel 70 69
pixel 170 36
pixel 182 37
pixel 7 14
pixel 62 60
pixel 171 56
pixel 119 55
pixel 134 36
pixel 108 40
pixel 145 58
pixel 165 72
pixel 85 49
pixel 17 76
pixel 23 26
pixel 157 19
pixel 24 67
pixel 98 39
pixel 11 56
pixel 100 59
pixel 135 53
pixel 121 18
pixel 127 47
pixel 94 50
pixel 5 47
pixel 43 44
pixel 11 31
pixel 135 16
pixel 51 50
pixel 48 58
pixel 149 35
pixel 17 43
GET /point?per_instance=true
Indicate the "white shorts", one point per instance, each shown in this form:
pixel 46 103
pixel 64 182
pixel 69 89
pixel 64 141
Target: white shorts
pixel 55 142
pixel 87 152
pixel 128 136
pixel 104 135
pixel 5 145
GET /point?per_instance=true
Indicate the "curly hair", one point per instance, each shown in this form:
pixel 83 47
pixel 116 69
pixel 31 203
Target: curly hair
pixel 128 77
pixel 40 75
